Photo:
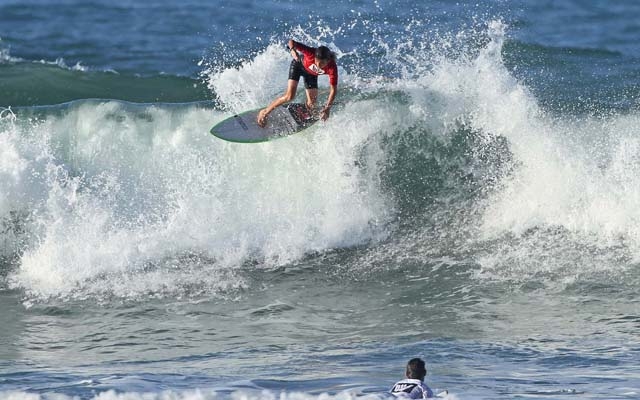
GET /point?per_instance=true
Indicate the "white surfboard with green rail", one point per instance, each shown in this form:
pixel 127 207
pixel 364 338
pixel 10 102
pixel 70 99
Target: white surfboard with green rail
pixel 281 122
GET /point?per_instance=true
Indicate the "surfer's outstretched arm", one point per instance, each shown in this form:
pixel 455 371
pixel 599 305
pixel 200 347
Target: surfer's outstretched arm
pixel 333 91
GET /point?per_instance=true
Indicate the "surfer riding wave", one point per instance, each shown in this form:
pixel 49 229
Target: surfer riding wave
pixel 309 64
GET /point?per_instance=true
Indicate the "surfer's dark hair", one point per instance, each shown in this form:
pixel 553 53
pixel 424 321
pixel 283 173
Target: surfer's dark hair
pixel 416 369
pixel 323 53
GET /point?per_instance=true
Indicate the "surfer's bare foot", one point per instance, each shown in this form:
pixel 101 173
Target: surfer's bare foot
pixel 262 118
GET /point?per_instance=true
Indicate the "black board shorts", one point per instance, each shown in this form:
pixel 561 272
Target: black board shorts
pixel 296 70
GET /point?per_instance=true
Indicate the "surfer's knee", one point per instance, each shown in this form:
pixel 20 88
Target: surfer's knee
pixel 288 96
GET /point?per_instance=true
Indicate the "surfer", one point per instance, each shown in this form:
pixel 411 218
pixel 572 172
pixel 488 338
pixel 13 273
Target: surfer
pixel 413 386
pixel 311 63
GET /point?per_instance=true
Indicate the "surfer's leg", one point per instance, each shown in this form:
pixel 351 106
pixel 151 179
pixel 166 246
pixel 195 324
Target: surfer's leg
pixel 312 98
pixel 311 84
pixel 289 95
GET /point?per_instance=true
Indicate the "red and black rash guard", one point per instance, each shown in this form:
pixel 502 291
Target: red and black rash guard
pixel 308 61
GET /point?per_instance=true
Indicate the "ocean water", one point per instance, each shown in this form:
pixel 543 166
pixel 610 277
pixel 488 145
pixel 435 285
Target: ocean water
pixel 473 200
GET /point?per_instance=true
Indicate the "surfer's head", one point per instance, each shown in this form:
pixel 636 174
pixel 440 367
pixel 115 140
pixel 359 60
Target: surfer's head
pixel 323 56
pixel 416 369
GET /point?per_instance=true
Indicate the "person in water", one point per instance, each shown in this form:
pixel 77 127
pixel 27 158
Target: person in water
pixel 309 64
pixel 413 386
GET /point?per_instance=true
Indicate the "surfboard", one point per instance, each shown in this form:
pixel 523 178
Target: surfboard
pixel 283 121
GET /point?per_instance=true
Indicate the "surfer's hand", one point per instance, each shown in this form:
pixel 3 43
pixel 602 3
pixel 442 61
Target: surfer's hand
pixel 325 113
pixel 262 118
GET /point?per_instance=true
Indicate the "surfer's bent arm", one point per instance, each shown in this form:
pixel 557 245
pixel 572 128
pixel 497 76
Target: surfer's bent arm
pixel 292 50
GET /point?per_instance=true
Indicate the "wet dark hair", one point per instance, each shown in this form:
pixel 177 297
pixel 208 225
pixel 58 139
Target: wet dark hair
pixel 323 53
pixel 416 369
